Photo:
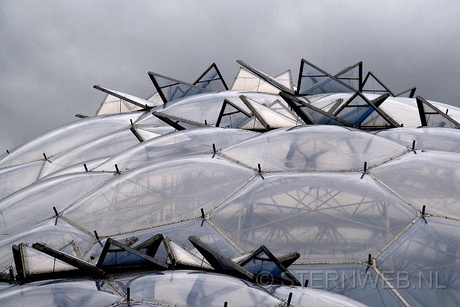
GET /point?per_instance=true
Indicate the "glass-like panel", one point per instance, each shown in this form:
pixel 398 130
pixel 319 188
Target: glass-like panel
pixel 232 114
pixel 104 147
pixel 172 89
pixel 365 114
pixel 77 168
pixel 356 115
pixel 376 121
pixel 351 76
pixel 314 148
pixel 313 297
pixel 178 144
pixel 212 80
pixel 118 256
pixel 324 217
pixel 425 178
pixel 59 293
pixel 431 116
pixel 68 137
pixel 428 138
pixel 312 115
pixel 158 194
pixel 179 233
pixel 407 93
pixel 206 107
pixel 35 203
pixel 262 264
pixel 189 288
pixel 309 76
pixel 330 102
pixel 330 85
pixel 14 178
pixel 358 282
pixel 374 85
pixel 424 263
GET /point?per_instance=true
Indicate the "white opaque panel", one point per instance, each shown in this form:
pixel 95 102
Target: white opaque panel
pixel 116 106
pixel 429 178
pixel 103 147
pixel 38 262
pixel 324 217
pixel 272 118
pixel 68 137
pixel 451 110
pixel 424 263
pixel 178 144
pixel 148 133
pixel 247 81
pixel 35 203
pixel 285 79
pixel 319 148
pixel 182 256
pixel 16 177
pixel 113 104
pixel 158 194
pixel 434 138
pixel 281 107
pixel 403 110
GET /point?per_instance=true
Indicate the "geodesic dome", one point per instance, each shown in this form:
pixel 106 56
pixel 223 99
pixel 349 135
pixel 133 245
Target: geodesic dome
pixel 262 194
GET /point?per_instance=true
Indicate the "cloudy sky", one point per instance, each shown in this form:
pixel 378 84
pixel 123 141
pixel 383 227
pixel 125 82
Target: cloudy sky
pixel 53 52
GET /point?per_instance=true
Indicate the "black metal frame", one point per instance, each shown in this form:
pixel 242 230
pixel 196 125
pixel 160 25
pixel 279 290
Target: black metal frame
pixel 319 84
pixel 296 104
pixel 360 74
pixel 159 88
pixel 110 92
pixel 173 121
pixel 423 114
pixel 222 110
pixel 374 104
pixel 213 66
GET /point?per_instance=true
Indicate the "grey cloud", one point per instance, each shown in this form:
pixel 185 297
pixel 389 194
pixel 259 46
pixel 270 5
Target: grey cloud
pixel 52 52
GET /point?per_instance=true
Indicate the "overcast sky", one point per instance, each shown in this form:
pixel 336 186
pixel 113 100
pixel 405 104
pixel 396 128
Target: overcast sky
pixel 53 52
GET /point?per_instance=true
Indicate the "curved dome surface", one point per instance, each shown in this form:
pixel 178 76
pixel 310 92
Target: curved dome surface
pixel 326 217
pixel 314 148
pixel 265 194
pixel 180 144
pixel 441 139
pixel 427 178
